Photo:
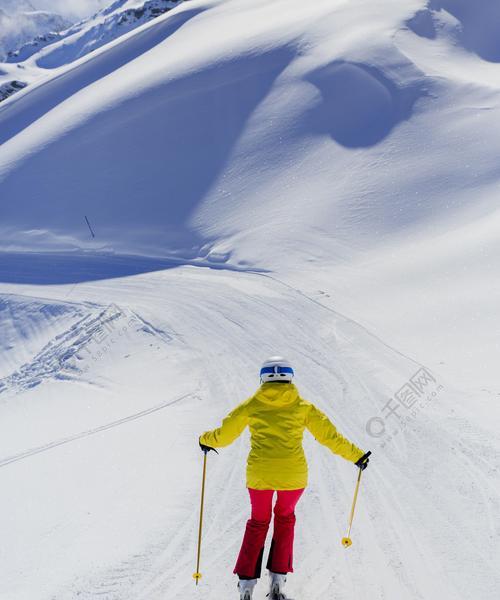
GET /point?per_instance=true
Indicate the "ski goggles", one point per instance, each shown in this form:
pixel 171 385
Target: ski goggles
pixel 276 369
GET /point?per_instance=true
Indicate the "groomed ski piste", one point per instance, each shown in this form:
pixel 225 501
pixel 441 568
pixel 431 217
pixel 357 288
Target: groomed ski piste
pixel 232 180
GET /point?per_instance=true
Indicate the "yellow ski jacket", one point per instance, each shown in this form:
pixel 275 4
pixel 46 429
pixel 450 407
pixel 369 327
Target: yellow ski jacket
pixel 277 417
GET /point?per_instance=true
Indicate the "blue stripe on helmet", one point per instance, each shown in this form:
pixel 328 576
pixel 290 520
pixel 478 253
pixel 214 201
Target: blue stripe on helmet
pixel 276 369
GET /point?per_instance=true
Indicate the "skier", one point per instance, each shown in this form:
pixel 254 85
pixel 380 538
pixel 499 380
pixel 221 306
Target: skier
pixel 277 417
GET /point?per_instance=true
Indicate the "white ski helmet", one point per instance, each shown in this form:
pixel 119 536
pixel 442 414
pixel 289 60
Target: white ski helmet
pixel 276 369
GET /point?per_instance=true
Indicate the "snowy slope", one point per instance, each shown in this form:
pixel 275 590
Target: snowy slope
pixel 230 180
pixel 110 485
pixel 303 108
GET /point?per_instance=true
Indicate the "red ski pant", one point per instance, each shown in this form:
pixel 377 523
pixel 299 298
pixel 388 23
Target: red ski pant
pixel 249 563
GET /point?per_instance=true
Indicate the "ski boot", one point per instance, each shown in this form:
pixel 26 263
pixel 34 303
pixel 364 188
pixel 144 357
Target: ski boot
pixel 246 588
pixel 276 584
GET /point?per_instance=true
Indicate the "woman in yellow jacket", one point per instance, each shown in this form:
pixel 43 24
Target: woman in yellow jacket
pixel 277 417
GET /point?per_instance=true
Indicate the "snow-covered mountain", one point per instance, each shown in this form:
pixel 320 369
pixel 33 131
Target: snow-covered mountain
pixel 232 179
pixel 58 44
pixel 92 33
pixel 17 28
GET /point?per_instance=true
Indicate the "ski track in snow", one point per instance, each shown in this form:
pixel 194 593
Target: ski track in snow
pixel 59 358
pixel 22 455
pixel 55 359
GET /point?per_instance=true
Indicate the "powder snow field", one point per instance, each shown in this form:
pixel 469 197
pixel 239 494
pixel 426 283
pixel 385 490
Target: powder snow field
pixel 315 179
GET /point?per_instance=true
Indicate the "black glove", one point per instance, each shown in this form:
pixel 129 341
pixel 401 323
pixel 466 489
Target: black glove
pixel 206 449
pixel 362 463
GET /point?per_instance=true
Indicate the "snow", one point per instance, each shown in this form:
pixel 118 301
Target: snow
pixel 17 28
pixel 92 33
pixel 318 180
pixel 30 51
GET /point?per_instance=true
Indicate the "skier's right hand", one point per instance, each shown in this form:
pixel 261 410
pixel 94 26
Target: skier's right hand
pixel 206 449
pixel 362 463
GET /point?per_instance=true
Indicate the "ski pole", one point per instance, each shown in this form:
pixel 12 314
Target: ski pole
pixel 346 541
pixel 197 574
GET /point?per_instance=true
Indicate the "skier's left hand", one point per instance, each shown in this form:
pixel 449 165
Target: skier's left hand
pixel 206 448
pixel 362 463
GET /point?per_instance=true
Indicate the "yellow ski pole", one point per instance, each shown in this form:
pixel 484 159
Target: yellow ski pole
pixel 346 541
pixel 197 574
